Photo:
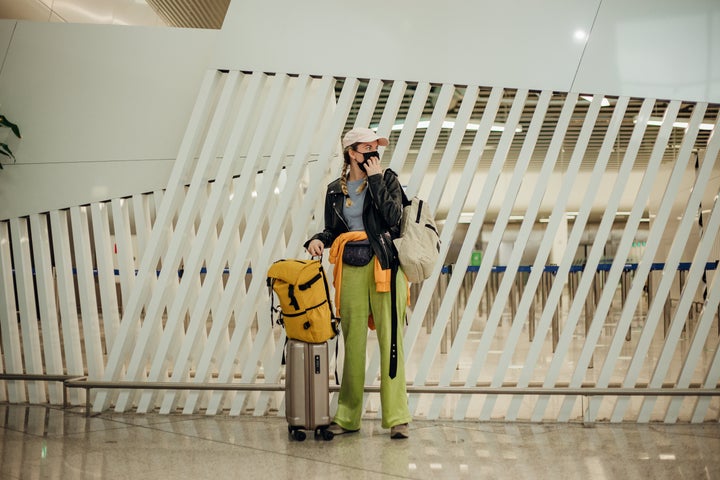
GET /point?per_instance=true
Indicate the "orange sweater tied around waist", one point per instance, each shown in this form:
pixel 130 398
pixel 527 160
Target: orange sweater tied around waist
pixel 382 277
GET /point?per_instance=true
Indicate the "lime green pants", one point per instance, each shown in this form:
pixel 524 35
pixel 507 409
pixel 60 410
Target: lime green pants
pixel 358 299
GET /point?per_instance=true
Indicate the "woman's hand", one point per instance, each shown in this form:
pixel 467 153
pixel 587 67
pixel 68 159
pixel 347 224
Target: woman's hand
pixel 316 248
pixel 372 166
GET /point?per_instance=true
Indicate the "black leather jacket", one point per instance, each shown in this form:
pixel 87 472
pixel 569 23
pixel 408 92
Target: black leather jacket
pixel 382 212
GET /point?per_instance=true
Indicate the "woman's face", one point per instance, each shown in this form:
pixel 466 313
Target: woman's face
pixel 361 148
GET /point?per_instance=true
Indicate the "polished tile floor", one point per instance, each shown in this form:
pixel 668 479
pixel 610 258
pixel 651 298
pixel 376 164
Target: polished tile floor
pixel 38 442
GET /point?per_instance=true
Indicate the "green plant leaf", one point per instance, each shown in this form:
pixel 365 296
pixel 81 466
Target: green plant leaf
pixel 5 150
pixel 7 123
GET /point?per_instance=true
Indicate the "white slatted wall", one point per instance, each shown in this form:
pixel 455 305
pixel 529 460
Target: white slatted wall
pixel 170 286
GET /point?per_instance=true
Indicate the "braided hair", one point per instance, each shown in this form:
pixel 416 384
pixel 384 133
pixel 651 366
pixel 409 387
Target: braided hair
pixel 346 174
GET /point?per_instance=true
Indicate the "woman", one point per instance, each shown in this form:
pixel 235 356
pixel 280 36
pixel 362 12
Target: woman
pixel 362 215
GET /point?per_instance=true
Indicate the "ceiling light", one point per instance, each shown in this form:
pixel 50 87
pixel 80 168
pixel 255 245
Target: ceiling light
pixel 580 35
pixel 449 124
pixel 680 123
pixel 568 216
pixel 465 217
pixel 603 103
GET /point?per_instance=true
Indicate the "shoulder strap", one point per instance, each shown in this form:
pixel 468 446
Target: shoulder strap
pixel 394 322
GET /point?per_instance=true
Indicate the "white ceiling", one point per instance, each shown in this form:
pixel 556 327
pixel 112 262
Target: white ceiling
pixel 174 13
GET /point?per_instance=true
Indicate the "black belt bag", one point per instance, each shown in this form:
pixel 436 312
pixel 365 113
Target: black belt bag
pixel 357 255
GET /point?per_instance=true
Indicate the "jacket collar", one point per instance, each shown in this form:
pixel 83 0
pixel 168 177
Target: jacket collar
pixel 334 187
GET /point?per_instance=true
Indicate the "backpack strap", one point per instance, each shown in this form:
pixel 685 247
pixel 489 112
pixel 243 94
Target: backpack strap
pixel 334 320
pixel 273 308
pixel 394 322
pixel 337 350
pixel 405 200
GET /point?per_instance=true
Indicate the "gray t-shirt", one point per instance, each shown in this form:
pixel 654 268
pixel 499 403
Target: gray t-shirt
pixel 353 213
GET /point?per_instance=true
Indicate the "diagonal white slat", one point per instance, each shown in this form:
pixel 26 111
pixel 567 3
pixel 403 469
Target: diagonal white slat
pixel 390 112
pixel 712 377
pixel 331 132
pixel 278 200
pixel 3 392
pixel 174 335
pixel 613 278
pixel 91 332
pixel 274 243
pixel 437 121
pixel 44 281
pixel 591 263
pixel 310 205
pixel 219 259
pixel 143 224
pixel 156 243
pixel 7 302
pixel 370 100
pixel 29 331
pixel 105 270
pixel 557 216
pixel 409 126
pixel 427 291
pixel 12 354
pixel 195 339
pixel 697 345
pixel 313 200
pixel 654 313
pixel 292 120
pixel 501 222
pixel 251 243
pixel 67 306
pixel 124 245
pixel 463 260
pixel 167 282
pixel 697 269
pixel 239 262
pixel 530 216
pixel 582 289
pixel 621 256
pixel 319 169
pixel 254 213
pixel 327 164
pixel 450 154
pixel 659 225
pixel 163 348
pixel 192 207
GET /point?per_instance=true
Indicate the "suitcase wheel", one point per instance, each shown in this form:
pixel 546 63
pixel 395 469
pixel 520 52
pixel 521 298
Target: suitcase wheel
pixel 298 435
pixel 326 434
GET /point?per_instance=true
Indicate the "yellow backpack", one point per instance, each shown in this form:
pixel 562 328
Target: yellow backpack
pixel 304 297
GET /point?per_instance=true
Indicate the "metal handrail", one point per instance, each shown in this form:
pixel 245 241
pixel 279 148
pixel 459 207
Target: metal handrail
pixel 42 377
pixel 73 381
pixel 88 385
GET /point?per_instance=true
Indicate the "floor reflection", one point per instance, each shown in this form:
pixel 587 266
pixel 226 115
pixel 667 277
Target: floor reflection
pixel 41 442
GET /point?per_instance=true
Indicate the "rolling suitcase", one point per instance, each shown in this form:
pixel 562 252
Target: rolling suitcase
pixel 307 397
